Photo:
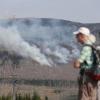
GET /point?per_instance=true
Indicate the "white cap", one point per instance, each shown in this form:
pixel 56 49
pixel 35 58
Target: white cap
pixel 82 30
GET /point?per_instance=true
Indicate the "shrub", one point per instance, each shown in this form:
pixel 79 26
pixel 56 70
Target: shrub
pixel 36 96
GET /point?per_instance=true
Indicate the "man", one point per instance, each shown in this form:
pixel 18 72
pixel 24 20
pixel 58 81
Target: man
pixel 87 87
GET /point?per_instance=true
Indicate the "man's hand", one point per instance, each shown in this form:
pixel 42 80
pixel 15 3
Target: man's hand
pixel 77 64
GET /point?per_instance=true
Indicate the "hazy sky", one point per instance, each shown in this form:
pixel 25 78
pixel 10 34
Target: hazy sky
pixel 86 11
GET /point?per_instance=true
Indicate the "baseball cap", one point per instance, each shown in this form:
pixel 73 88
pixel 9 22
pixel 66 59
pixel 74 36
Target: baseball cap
pixel 82 30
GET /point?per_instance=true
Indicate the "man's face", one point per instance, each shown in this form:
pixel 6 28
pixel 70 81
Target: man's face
pixel 80 38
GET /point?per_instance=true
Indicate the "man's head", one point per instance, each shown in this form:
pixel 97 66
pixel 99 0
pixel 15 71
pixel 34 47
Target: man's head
pixel 83 34
pixel 81 38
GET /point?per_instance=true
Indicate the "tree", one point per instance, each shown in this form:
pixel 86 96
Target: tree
pixel 36 96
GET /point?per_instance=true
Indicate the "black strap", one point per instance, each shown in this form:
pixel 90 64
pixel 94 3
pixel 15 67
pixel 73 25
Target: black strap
pixel 92 46
pixel 95 52
pixel 95 59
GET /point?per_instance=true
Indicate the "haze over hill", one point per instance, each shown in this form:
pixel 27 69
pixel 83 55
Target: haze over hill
pixel 43 48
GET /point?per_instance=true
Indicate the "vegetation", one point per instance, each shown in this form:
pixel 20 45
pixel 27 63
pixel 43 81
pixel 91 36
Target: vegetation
pixel 22 97
pixel 36 96
pixel 36 82
pixel 57 91
pixel 72 97
pixel 5 98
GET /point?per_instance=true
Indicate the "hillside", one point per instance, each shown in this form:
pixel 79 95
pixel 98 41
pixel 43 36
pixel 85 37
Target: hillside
pixel 41 48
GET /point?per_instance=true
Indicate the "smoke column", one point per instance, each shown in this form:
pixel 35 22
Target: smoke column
pixel 49 42
pixel 11 41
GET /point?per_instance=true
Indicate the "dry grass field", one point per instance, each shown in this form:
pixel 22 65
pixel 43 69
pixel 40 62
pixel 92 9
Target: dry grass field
pixel 53 93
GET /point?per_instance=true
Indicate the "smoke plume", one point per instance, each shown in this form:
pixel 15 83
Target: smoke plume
pixel 49 42
pixel 11 41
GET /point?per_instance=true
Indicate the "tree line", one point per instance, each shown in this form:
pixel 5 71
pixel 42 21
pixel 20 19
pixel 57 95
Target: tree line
pixel 41 82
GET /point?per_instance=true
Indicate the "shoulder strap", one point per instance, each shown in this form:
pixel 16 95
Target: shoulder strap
pixel 94 54
pixel 92 46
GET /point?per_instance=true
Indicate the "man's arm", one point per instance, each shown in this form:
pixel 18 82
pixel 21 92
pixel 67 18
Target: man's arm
pixel 86 51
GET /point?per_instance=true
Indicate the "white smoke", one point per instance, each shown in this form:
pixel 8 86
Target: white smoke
pixel 50 45
pixel 11 41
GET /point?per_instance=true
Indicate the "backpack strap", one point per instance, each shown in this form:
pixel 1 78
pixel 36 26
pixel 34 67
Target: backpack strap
pixel 92 46
pixel 94 54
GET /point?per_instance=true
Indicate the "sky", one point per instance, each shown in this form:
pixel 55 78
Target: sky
pixel 85 11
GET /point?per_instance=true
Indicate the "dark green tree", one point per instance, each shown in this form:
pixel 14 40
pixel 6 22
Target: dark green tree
pixel 36 96
pixel 46 98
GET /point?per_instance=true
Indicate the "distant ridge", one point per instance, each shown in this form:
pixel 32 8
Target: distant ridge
pixel 54 39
